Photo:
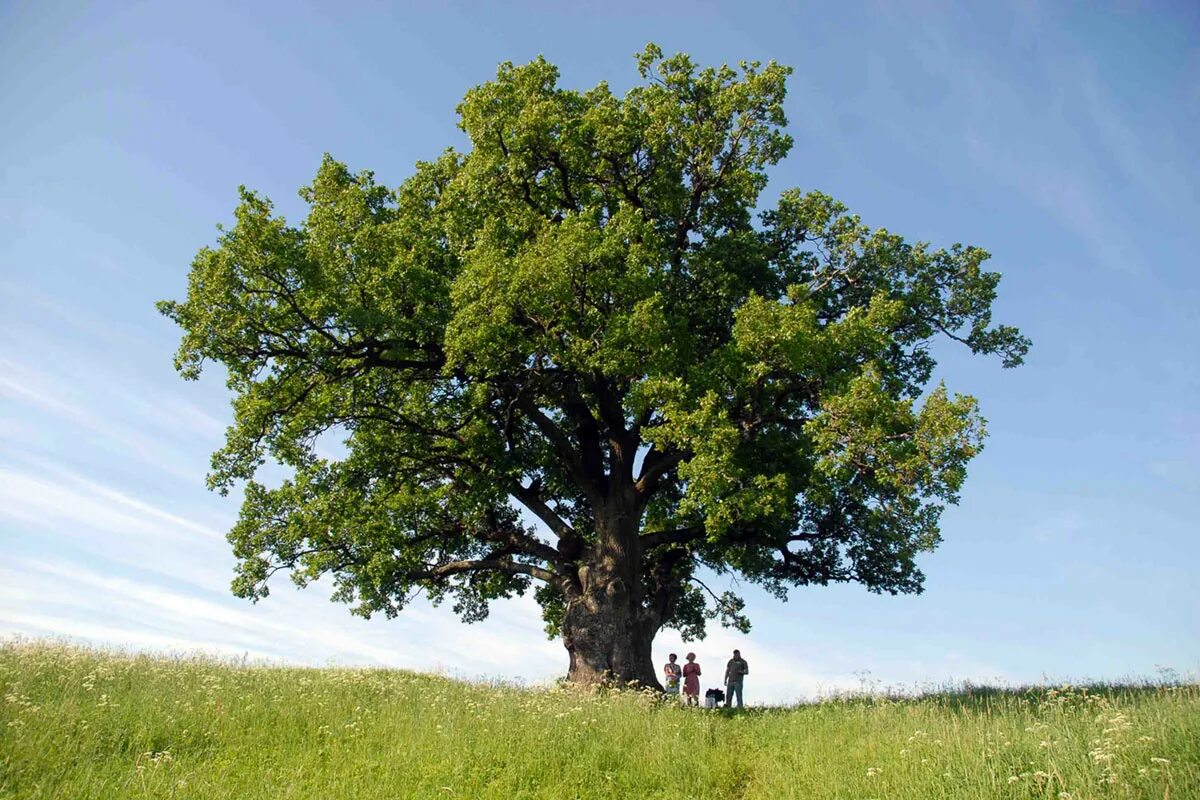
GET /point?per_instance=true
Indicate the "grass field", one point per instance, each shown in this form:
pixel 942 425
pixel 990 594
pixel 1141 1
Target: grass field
pixel 78 723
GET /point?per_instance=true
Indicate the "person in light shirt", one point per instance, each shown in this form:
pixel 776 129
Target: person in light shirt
pixel 671 674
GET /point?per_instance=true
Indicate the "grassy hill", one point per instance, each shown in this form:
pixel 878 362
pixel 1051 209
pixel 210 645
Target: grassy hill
pixel 77 723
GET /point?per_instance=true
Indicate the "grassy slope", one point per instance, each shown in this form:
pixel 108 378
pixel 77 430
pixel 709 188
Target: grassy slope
pixel 76 723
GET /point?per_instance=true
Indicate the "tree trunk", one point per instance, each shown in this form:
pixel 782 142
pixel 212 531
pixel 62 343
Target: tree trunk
pixel 608 641
pixel 606 629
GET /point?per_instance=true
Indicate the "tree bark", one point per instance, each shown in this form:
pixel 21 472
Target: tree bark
pixel 608 644
pixel 608 641
pixel 606 628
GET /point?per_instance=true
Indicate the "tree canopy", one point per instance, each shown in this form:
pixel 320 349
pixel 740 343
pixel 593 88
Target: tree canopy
pixel 583 317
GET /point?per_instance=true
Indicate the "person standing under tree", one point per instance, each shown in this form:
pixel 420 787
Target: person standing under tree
pixel 691 681
pixel 735 671
pixel 671 674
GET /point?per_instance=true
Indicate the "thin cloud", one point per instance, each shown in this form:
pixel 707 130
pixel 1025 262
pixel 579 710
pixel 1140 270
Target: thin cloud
pixel 117 526
pixel 155 607
pixel 88 506
pixel 99 491
pixel 37 392
pixel 1025 143
pixel 40 624
pixel 300 629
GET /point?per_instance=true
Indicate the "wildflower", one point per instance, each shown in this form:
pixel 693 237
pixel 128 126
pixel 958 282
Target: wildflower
pixel 1013 779
pixel 873 771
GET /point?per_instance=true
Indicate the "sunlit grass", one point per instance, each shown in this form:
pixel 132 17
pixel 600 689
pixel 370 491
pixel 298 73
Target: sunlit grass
pixel 79 723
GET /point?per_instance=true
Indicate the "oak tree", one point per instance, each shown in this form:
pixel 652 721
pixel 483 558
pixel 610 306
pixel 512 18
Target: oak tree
pixel 575 360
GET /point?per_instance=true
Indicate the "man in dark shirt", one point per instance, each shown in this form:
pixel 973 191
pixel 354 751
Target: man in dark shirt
pixel 735 670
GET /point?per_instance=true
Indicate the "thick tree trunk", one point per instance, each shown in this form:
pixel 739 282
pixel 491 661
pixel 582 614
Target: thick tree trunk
pixel 606 628
pixel 608 641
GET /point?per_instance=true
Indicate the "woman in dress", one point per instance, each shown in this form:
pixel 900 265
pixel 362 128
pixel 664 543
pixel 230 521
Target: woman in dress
pixel 691 680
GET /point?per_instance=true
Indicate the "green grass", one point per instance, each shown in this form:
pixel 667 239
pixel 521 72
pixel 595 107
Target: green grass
pixel 79 723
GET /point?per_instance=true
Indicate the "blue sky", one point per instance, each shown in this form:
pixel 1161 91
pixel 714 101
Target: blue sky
pixel 1060 137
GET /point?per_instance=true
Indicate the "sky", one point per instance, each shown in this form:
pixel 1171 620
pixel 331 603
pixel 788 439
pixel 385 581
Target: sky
pixel 1060 137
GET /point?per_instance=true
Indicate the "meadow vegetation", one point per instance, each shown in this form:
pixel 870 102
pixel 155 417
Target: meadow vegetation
pixel 80 723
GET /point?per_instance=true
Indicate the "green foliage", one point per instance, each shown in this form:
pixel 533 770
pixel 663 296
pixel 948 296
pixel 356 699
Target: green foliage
pixel 82 724
pixel 582 314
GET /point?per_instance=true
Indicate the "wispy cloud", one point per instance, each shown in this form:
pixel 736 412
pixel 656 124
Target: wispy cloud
pixel 1059 139
pixel 148 606
pixel 89 493
pixel 94 604
pixel 38 624
pixel 1149 158
pixel 88 506
pixel 180 600
pixel 120 432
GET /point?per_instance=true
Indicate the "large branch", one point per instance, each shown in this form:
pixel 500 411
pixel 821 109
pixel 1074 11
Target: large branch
pixel 378 411
pixel 506 565
pixel 673 536
pixel 557 160
pixel 583 474
pixel 667 586
pixel 515 540
pixel 655 465
pixel 531 499
pixel 509 541
pixel 368 349
pixel 622 439
pixel 371 352
pixel 587 432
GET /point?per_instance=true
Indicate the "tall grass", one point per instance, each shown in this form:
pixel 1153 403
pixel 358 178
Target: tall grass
pixel 79 723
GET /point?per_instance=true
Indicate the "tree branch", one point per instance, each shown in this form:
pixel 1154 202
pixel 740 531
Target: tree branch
pixel 516 541
pixel 506 565
pixel 656 464
pixel 556 159
pixel 562 444
pixel 674 536
pixel 531 499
